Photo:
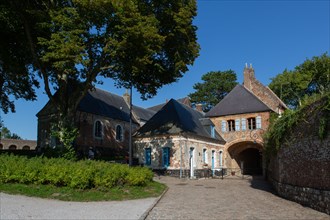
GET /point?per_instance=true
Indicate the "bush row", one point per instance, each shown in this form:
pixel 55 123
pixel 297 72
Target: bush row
pixel 84 174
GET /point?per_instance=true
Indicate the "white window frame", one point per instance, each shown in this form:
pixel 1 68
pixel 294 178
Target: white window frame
pixel 205 158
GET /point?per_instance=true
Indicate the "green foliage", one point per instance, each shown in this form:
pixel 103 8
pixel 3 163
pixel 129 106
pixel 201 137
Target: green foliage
pixel 70 45
pixel 66 135
pixel 6 133
pixel 311 77
pixel 60 172
pixel 215 86
pixel 280 128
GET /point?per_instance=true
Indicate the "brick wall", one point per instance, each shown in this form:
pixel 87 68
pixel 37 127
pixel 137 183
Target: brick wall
pixel 265 94
pixel 301 169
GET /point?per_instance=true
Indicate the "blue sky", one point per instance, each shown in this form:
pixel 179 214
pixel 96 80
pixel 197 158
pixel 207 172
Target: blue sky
pixel 270 35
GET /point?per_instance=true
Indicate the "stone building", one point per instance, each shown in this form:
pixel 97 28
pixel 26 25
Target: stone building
pixel 241 119
pixel 179 140
pixel 103 121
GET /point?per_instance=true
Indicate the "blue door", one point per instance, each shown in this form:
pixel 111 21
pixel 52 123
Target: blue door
pixel 166 156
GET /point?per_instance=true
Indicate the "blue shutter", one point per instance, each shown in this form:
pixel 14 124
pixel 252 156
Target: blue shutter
pixel 166 156
pixel 148 156
pixel 223 126
pixel 237 125
pixel 243 124
pixel 258 122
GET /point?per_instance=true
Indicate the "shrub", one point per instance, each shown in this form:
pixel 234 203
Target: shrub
pixel 59 172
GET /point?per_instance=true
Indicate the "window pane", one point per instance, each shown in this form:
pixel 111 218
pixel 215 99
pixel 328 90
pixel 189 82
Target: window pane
pixel 98 129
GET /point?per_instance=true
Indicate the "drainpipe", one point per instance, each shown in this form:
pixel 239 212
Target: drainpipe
pixel 180 158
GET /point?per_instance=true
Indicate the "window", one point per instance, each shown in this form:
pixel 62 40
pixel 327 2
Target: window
pixel 119 133
pixel 243 124
pixel 166 156
pixel 223 126
pixel 231 125
pixel 212 131
pixel 237 124
pixel 220 158
pixel 252 123
pixel 148 156
pixel 98 129
pixel 258 123
pixel 204 156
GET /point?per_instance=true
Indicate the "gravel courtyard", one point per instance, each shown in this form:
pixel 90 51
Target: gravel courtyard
pixel 226 199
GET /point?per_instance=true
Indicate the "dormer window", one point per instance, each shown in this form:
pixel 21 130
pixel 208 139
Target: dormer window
pixel 231 125
pixel 212 131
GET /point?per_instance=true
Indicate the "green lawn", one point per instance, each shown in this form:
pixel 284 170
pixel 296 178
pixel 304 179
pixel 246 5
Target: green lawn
pixel 152 189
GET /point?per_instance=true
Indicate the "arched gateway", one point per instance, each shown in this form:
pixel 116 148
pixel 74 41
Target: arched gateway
pixel 247 156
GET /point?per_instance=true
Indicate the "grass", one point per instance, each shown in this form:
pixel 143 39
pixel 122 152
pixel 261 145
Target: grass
pixel 152 189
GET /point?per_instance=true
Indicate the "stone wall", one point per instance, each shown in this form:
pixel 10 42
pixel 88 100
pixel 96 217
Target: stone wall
pixel 179 153
pixel 301 169
pixel 15 144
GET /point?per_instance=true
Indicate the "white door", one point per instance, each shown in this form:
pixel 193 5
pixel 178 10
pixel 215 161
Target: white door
pixel 191 153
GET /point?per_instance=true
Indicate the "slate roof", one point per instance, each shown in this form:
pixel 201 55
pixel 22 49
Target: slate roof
pixel 156 108
pixel 103 103
pixel 142 113
pixel 239 101
pixel 176 118
pixel 106 104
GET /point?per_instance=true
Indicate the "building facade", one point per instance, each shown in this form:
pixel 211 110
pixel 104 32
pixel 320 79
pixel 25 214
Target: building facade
pixel 241 118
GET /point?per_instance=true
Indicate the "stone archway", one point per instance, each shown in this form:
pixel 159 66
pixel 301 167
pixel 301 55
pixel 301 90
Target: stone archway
pixel 246 156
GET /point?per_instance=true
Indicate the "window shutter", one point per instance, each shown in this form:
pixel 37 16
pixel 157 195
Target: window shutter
pixel 237 125
pixel 243 124
pixel 223 126
pixel 258 122
pixel 148 156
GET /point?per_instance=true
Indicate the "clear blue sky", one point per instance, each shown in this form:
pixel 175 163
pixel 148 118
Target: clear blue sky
pixel 272 35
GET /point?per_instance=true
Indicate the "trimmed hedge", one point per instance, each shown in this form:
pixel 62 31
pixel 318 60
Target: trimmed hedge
pixel 84 174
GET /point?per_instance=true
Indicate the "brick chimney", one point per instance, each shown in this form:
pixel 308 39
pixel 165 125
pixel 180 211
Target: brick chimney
pixel 126 97
pixel 199 107
pixel 248 76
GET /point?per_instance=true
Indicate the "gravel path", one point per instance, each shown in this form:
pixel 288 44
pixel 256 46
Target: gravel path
pixel 23 207
pixel 226 199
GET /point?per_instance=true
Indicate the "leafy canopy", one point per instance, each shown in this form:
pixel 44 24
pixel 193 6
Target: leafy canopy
pixel 215 86
pixel 70 44
pixel 310 77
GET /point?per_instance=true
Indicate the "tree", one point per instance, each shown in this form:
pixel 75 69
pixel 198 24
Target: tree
pixel 6 133
pixel 215 86
pixel 311 77
pixel 74 42
pixel 15 79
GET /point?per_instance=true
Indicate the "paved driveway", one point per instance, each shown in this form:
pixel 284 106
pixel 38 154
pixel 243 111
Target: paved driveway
pixel 23 207
pixel 226 199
